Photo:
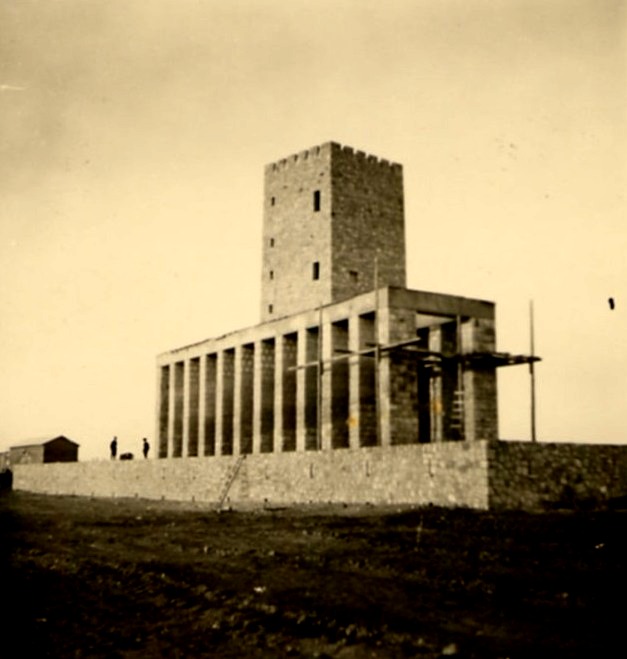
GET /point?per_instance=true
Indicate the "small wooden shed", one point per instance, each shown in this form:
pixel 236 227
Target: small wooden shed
pixel 50 449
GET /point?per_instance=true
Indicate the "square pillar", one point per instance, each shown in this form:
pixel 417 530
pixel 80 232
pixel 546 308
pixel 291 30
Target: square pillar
pixel 202 403
pixel 384 373
pixel 190 428
pixel 311 389
pixel 480 397
pixel 243 399
pixel 209 401
pixel 163 408
pixel 278 395
pixel 301 391
pixel 398 379
pixel 326 395
pixel 225 401
pixel 178 416
pixel 339 367
pixel 186 406
pixel 285 393
pixel 264 396
pixel 171 387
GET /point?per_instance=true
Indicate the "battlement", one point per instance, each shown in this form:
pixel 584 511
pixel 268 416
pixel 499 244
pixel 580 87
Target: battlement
pixel 330 212
pixel 327 148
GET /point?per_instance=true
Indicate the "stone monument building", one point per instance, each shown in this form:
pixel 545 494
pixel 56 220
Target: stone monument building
pixel 345 356
pixel 353 388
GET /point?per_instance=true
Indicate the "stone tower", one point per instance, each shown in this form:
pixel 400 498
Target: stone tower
pixel 330 213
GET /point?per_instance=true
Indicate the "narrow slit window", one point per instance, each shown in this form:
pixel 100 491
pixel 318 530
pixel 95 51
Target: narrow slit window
pixel 316 270
pixel 271 242
pixel 354 276
pixel 271 274
pixel 272 201
pixel 316 200
pixel 270 308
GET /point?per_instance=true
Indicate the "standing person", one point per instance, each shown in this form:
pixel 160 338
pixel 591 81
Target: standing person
pixel 146 447
pixel 114 447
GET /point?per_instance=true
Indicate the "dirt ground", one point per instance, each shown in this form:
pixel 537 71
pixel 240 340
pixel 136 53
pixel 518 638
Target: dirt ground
pixel 131 578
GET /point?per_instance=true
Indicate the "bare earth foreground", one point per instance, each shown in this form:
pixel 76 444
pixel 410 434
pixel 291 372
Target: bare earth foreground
pixel 131 578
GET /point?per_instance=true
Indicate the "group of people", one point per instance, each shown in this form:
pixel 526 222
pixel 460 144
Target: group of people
pixel 114 449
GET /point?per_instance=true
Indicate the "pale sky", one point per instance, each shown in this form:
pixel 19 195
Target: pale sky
pixel 133 136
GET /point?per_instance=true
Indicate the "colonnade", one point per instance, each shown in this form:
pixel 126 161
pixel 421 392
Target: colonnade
pixel 342 382
pixel 276 393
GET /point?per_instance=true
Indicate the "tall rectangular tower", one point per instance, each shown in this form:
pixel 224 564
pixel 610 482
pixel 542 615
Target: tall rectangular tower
pixel 330 214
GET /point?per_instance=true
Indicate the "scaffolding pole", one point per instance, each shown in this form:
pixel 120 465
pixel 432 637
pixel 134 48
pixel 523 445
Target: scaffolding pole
pixel 532 375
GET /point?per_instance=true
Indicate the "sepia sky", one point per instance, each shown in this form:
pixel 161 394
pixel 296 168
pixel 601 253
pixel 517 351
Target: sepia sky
pixel 133 136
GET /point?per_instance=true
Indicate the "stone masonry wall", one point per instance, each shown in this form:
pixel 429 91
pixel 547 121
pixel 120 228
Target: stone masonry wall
pixel 368 221
pixel 328 211
pixel 295 235
pixel 481 411
pixel 480 474
pixel 442 474
pixel 536 476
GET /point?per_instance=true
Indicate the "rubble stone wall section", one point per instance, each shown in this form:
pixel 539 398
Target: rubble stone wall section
pixel 538 475
pixel 450 475
pixel 479 474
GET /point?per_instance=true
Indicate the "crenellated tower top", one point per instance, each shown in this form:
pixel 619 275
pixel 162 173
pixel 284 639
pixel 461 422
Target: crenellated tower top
pixel 330 212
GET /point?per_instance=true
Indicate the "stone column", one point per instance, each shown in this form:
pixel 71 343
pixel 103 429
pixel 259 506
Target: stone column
pixel 480 399
pixel 399 387
pixel 257 396
pixel 365 381
pixel 278 395
pixel 219 402
pixel 301 383
pixel 193 389
pixel 171 398
pixel 311 395
pixel 326 398
pixel 264 395
pixel 210 417
pixel 243 399
pixel 226 398
pixel 237 401
pixel 202 403
pixel 384 372
pixel 179 416
pixel 186 408
pixel 288 349
pixel 163 405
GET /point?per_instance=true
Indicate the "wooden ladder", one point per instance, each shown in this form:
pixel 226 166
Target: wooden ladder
pixel 231 475
pixel 457 413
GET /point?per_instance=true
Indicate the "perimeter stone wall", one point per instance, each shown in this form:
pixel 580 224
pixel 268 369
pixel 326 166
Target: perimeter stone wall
pixel 479 474
pixel 537 476
pixel 449 475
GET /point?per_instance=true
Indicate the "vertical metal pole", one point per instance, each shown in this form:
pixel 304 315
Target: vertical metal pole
pixel 532 373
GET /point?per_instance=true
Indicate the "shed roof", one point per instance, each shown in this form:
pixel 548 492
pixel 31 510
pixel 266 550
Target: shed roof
pixel 40 441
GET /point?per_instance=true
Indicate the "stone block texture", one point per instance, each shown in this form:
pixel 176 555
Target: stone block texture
pixel 329 213
pixel 541 475
pixel 447 475
pixel 351 374
pixel 353 388
pixel 483 475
